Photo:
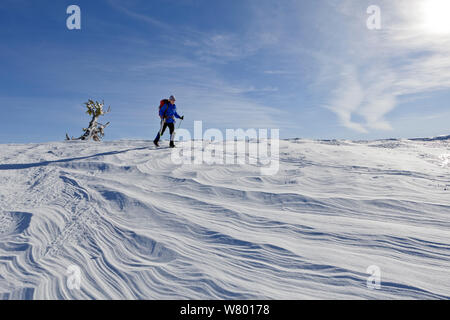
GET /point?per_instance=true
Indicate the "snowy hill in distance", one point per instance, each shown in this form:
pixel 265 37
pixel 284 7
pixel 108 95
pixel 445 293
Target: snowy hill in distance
pixel 130 224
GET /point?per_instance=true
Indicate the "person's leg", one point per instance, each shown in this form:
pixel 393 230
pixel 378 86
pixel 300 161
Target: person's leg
pixel 161 131
pixel 172 133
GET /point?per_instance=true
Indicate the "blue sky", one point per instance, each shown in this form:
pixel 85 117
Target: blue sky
pixel 310 68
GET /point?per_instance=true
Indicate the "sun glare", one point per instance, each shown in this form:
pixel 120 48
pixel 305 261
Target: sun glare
pixel 436 15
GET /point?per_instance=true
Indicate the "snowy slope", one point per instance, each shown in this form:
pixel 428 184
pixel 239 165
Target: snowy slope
pixel 139 227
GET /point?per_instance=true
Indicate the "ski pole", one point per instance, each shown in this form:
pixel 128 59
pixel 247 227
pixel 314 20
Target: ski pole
pixel 175 131
pixel 180 124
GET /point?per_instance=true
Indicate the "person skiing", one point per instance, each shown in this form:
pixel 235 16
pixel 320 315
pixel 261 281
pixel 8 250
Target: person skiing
pixel 168 113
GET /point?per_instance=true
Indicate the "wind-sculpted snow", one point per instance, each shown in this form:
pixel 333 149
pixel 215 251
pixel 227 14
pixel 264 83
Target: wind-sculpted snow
pixel 140 227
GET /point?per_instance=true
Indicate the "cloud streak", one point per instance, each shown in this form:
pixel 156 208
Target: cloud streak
pixel 386 66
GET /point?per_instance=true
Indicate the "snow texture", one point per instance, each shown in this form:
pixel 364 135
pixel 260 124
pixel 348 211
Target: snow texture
pixel 139 227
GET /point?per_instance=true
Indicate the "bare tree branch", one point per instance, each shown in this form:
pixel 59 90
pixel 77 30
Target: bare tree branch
pixel 95 131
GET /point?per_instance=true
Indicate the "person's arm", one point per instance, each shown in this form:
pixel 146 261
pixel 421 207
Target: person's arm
pixel 177 115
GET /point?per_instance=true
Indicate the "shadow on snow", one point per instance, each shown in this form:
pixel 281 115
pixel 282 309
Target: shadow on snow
pixel 20 166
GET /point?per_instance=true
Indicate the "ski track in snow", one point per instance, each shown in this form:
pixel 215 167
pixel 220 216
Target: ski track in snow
pixel 140 227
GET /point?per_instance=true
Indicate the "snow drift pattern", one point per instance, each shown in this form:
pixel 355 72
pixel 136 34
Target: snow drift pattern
pixel 141 228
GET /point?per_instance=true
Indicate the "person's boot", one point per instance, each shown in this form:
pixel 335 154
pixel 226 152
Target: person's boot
pixel 156 143
pixel 172 145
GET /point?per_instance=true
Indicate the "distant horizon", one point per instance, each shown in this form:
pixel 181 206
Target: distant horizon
pixel 150 141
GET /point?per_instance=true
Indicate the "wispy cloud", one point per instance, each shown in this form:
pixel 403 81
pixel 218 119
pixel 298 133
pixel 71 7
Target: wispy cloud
pixel 206 96
pixel 141 17
pixel 162 64
pixel 386 66
pixel 209 46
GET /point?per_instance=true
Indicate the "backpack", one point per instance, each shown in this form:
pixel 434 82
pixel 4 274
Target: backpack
pixel 161 104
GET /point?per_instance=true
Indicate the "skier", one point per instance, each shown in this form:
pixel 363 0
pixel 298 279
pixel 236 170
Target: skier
pixel 167 113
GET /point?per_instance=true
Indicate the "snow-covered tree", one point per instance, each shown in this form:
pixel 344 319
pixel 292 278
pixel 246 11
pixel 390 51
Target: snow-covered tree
pixel 95 130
